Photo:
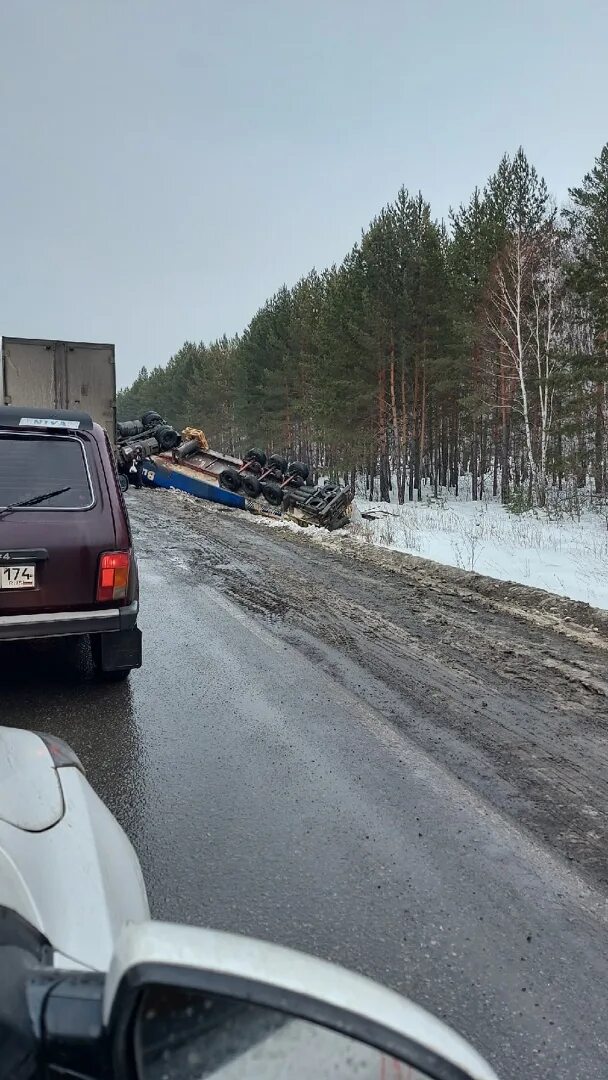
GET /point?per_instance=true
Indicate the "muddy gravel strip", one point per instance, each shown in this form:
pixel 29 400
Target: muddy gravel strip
pixel 506 686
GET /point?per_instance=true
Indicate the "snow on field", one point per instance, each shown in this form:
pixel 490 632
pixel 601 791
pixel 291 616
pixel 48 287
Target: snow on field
pixel 567 556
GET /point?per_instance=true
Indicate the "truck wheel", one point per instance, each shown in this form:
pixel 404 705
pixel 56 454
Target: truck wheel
pixel 167 437
pixel 231 480
pixel 275 461
pixel 299 468
pixel 123 482
pixel 129 428
pixel 150 418
pixel 250 485
pixel 296 481
pixel 255 455
pixel 272 493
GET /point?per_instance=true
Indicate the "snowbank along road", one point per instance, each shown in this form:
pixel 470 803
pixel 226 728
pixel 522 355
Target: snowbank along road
pixel 392 764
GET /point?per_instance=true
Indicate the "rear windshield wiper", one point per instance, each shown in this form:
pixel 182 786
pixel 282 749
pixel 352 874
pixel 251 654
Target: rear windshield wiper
pixel 33 501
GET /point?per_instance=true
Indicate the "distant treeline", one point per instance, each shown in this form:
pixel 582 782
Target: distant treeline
pixel 431 351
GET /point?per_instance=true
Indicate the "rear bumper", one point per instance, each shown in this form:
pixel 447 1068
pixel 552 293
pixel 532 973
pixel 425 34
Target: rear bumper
pixel 67 623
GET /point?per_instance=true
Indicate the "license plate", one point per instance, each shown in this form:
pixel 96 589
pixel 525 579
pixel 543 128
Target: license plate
pixel 17 577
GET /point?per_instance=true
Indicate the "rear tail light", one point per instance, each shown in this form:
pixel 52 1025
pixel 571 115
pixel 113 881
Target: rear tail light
pixel 113 580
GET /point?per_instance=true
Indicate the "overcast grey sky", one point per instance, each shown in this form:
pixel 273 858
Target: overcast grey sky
pixel 167 164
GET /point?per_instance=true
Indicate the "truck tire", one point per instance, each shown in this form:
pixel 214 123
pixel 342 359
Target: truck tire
pixel 299 468
pixel 129 429
pixel 272 493
pixel 167 437
pixel 150 418
pixel 275 461
pixel 255 455
pixel 250 485
pixel 230 479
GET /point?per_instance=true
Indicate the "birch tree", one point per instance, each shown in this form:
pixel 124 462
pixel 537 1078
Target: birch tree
pixel 523 317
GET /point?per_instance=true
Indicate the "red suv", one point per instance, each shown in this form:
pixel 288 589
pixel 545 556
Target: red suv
pixel 66 555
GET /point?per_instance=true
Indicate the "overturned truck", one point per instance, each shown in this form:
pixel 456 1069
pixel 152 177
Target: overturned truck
pixel 159 456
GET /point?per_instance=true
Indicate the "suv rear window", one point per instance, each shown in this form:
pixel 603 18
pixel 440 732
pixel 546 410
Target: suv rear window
pixel 31 465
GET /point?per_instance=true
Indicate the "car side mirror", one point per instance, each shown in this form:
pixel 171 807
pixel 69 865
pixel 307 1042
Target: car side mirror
pixel 190 1003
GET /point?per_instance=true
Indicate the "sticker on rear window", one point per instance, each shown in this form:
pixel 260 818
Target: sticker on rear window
pixel 37 421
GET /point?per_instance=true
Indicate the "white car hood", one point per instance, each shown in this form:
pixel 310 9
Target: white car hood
pixel 30 792
pixel 66 865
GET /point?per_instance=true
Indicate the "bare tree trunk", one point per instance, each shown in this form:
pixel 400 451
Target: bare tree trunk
pixel 560 453
pixel 396 427
pixel 506 435
pixel 430 450
pixel 598 447
pixel 482 456
pixel 422 431
pixel 415 463
pixel 444 453
pixel 474 462
pixel 496 461
pixel 454 462
pixel 404 433
pixel 413 428
pixel 385 493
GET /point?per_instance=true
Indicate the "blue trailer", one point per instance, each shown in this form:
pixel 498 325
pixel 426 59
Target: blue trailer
pixel 161 472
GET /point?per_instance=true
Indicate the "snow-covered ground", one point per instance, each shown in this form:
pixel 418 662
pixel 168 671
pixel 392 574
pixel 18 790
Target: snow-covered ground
pixel 566 556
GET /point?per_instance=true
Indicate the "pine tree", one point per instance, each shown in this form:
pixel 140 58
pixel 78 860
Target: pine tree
pixel 428 352
pixel 588 276
pixel 472 251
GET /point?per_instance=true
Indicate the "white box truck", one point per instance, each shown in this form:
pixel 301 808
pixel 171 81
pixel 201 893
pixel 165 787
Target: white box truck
pixel 78 375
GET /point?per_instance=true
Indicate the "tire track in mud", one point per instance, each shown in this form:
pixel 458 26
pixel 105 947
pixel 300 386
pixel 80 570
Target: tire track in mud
pixel 505 686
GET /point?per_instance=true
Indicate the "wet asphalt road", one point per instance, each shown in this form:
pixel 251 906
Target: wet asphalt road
pixel 264 796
